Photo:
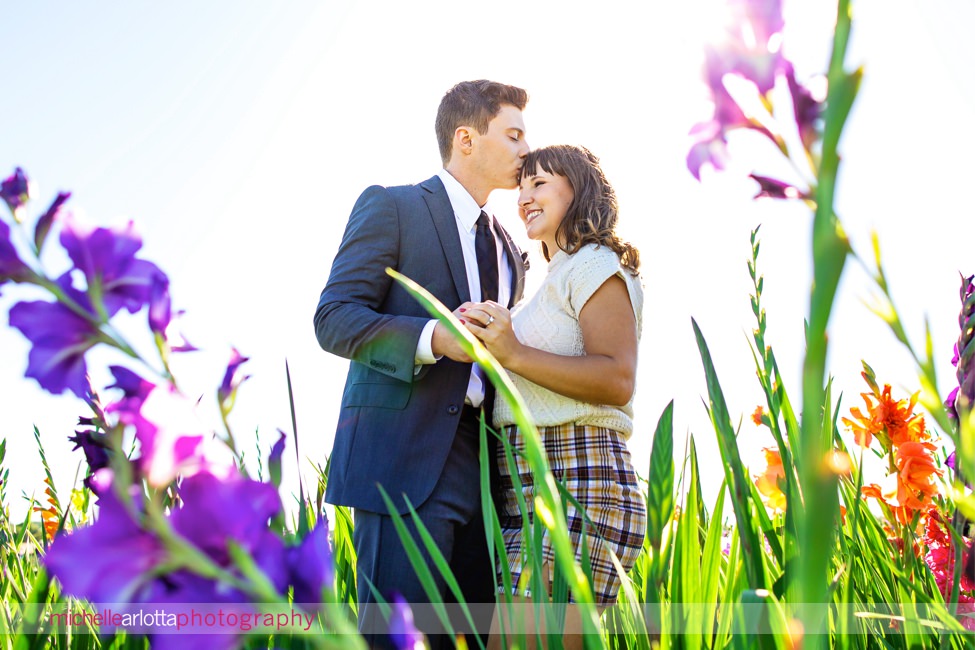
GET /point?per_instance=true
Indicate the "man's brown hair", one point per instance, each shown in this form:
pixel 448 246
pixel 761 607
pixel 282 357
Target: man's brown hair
pixel 474 104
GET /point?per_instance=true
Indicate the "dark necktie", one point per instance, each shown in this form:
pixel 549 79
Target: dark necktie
pixel 486 250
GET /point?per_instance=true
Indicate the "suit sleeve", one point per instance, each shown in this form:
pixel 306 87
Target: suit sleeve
pixel 349 321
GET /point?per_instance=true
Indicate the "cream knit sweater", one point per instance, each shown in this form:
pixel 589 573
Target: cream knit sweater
pixel 549 321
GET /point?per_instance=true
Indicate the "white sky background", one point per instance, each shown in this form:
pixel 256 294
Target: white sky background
pixel 238 135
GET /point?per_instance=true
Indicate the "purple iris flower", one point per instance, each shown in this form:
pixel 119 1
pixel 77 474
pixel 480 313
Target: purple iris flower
pixel 232 379
pixel 60 339
pixel 15 190
pixel 107 561
pixel 106 256
pixel 402 630
pixel 11 266
pixel 751 48
pixel 235 508
pixel 46 220
pixel 310 566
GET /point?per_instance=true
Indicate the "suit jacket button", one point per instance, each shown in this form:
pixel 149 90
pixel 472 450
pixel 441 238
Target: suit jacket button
pixel 453 409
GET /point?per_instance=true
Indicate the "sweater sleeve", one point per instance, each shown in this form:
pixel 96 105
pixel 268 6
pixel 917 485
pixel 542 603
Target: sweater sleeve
pixel 591 267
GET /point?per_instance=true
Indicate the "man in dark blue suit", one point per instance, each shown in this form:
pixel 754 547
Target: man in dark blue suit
pixel 412 399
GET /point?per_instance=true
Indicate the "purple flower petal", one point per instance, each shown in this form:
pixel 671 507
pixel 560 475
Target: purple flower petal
pixel 11 266
pixel 44 223
pixel 15 190
pixel 107 561
pixel 402 630
pixel 806 109
pixel 172 439
pixel 184 593
pixel 775 189
pixel 310 566
pixel 752 47
pixel 232 379
pixel 134 389
pixel 160 305
pixel 710 147
pixel 94 446
pixel 106 256
pixel 215 511
pixel 60 339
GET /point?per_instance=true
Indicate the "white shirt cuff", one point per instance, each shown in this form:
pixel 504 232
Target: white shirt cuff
pixel 424 347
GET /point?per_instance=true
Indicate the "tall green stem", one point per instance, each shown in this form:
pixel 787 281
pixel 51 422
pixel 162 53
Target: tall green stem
pixel 830 248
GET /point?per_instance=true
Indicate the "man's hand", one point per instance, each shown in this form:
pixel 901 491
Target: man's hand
pixel 445 344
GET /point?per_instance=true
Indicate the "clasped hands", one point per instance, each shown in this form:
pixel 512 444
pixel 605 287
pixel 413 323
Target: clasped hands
pixel 489 322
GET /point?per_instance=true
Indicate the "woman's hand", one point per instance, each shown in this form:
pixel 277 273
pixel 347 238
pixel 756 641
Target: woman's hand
pixel 491 323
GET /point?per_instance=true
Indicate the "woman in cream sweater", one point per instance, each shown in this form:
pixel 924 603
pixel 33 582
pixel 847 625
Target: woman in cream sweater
pixel 571 349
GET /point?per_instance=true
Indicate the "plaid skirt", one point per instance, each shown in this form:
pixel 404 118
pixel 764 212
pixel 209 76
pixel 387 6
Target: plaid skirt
pixel 594 465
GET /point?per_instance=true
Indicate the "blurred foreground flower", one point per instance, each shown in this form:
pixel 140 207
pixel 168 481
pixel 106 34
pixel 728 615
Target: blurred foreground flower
pixel 405 635
pixel 178 521
pixel 750 50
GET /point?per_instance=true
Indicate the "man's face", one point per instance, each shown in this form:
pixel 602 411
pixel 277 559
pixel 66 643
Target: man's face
pixel 498 153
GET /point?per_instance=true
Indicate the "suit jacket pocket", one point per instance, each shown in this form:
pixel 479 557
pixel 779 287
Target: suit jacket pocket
pixel 390 395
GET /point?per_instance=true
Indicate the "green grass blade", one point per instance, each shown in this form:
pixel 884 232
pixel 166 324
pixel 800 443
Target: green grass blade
pixel 423 572
pixel 735 477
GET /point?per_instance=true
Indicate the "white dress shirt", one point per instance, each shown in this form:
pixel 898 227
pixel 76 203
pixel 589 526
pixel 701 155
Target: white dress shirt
pixel 466 211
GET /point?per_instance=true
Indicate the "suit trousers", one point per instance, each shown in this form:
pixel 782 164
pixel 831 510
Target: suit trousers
pixel 452 515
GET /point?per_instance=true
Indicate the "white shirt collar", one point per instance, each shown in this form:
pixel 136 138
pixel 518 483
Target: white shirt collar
pixel 466 209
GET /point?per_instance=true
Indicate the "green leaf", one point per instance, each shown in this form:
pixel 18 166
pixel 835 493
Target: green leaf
pixel 660 493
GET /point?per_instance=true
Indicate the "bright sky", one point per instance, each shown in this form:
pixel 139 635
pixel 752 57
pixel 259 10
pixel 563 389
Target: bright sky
pixel 238 135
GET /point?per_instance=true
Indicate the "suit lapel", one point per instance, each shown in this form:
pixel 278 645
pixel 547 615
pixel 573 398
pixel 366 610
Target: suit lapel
pixel 517 265
pixel 446 224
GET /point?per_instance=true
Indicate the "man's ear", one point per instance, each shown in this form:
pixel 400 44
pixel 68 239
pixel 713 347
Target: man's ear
pixel 464 139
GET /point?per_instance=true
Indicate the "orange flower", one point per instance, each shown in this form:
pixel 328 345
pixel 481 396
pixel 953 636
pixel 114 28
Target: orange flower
pixel 758 415
pixel 769 483
pixel 916 485
pixel 887 495
pixel 893 418
pixel 50 519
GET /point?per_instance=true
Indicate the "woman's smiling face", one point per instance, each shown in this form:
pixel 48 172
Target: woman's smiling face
pixel 542 205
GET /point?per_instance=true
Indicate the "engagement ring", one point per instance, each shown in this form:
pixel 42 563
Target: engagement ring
pixel 490 320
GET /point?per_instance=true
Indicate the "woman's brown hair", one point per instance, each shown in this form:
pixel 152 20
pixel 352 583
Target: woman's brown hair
pixel 592 214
